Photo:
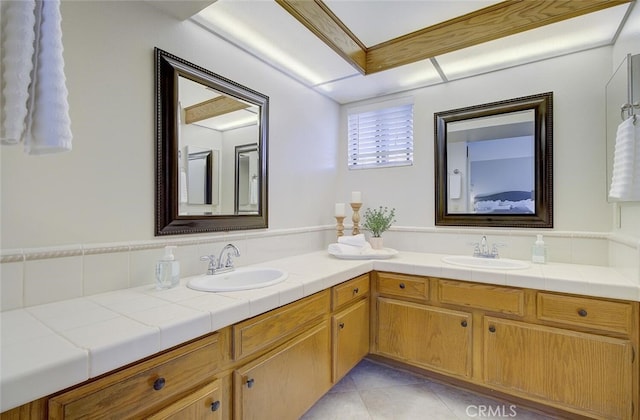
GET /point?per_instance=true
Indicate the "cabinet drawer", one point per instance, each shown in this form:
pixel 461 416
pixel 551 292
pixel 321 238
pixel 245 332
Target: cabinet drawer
pixel 586 312
pixel 203 403
pixel 482 296
pixel 143 387
pixel 403 286
pixel 274 326
pixel 350 291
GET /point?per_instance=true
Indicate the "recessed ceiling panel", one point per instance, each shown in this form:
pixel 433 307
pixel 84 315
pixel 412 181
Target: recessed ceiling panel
pixel 411 76
pixel 374 22
pixel 267 31
pixel 577 34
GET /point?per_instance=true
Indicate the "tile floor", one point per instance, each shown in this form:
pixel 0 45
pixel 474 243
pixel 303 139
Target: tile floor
pixel 372 391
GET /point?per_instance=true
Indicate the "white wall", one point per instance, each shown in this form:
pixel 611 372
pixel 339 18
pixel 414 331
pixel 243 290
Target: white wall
pixel 579 140
pixel 103 191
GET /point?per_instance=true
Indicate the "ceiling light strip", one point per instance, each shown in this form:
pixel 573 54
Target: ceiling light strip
pixel 436 66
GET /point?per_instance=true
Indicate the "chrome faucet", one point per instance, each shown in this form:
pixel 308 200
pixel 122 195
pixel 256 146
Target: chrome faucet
pixel 216 265
pixel 481 249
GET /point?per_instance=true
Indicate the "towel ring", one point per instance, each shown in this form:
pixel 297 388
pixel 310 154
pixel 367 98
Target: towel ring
pixel 628 108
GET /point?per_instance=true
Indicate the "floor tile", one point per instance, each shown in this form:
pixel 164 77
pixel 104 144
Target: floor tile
pixel 372 391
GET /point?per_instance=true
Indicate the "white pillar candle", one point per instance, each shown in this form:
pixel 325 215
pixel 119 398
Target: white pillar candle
pixel 340 210
pixel 356 197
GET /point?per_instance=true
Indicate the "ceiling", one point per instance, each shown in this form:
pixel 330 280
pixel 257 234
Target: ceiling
pixel 339 59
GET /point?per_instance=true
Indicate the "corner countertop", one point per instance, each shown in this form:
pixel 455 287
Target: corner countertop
pixel 47 348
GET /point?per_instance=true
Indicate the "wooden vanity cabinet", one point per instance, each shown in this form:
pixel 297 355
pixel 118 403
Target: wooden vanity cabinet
pixel 204 403
pixel 588 372
pixel 287 381
pixel 349 325
pixel 573 353
pixel 145 387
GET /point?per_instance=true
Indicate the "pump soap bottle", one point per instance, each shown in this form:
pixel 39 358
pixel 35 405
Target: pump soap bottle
pixel 167 270
pixel 539 251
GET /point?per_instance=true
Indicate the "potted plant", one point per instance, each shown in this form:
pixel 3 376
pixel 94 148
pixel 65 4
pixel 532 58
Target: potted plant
pixel 377 221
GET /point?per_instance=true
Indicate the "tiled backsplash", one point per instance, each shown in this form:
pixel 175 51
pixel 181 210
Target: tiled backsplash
pixel 36 276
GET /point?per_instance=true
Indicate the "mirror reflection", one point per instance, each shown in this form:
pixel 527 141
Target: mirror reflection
pixel 491 164
pixel 202 120
pixel 494 164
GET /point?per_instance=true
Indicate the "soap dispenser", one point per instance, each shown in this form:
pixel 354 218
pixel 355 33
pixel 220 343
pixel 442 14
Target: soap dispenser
pixel 539 251
pixel 167 270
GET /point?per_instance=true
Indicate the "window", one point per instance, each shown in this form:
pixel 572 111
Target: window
pixel 381 137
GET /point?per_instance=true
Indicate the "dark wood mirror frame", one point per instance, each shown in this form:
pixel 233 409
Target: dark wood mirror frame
pixel 542 105
pixel 167 220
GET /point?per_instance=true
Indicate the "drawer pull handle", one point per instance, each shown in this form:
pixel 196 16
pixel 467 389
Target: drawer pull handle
pixel 250 383
pixel 215 405
pixel 582 312
pixel 464 324
pixel 341 325
pixel 492 329
pixel 355 291
pixel 158 384
pixel 402 286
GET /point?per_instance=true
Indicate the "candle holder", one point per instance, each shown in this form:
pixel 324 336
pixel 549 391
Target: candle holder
pixel 356 217
pixel 339 226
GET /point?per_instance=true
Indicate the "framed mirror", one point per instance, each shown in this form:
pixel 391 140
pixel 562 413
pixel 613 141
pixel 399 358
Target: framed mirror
pixel 494 164
pixel 201 119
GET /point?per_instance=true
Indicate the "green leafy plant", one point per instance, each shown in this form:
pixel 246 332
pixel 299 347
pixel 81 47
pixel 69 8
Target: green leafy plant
pixel 378 220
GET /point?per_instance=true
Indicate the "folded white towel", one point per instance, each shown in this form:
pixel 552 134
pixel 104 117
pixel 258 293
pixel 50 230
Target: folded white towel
pixel 344 249
pixel 18 20
pixel 48 123
pixel 625 180
pixel 355 240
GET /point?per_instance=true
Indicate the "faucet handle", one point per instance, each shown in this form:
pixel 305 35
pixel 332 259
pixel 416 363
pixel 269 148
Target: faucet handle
pixel 229 261
pixel 495 246
pixel 212 263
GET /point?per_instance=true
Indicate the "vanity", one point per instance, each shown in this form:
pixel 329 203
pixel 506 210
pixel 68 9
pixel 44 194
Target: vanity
pixel 560 337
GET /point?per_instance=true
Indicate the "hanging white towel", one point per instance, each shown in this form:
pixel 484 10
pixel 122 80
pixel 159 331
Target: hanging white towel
pixel 184 195
pixel 253 190
pixel 18 37
pixel 48 123
pixel 625 180
pixel 455 186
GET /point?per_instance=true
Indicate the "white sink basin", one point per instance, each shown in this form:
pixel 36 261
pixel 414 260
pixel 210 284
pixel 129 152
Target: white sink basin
pixel 239 279
pixel 491 263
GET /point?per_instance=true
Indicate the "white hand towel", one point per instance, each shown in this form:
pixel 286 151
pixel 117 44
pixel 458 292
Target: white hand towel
pixel 344 249
pixel 625 180
pixel 48 123
pixel 355 240
pixel 455 186
pixel 18 37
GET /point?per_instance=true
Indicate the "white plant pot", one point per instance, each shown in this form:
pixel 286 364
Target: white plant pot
pixel 376 243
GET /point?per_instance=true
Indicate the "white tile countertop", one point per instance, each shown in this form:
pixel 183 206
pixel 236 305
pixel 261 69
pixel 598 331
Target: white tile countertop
pixel 47 348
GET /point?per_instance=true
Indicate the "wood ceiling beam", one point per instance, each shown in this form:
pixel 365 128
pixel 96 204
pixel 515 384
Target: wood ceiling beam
pixel 320 20
pixel 212 108
pixel 497 21
pixel 500 20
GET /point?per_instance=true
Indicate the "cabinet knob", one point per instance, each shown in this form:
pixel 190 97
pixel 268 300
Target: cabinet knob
pixel 402 285
pixel 355 291
pixel 250 383
pixel 215 405
pixel 341 325
pixel 492 329
pixel 464 324
pixel 158 384
pixel 582 312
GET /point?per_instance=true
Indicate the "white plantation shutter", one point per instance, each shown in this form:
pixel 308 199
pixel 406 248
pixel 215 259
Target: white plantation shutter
pixel 381 137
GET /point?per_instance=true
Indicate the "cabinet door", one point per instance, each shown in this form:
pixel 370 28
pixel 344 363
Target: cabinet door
pixel 287 381
pixel 430 337
pixel 201 404
pixel 350 338
pixel 578 370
